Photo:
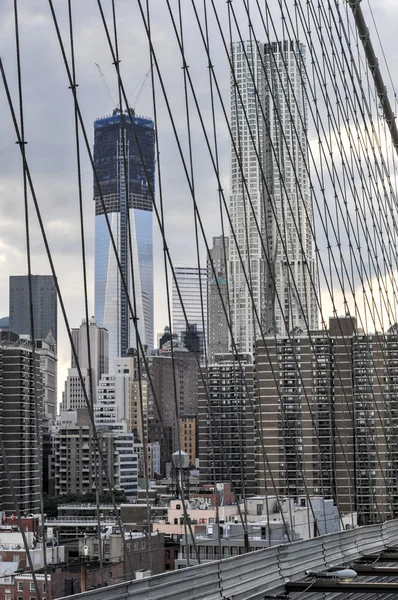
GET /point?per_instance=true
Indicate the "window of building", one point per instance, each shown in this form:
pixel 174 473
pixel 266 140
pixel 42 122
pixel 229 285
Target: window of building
pixel 20 586
pixel 32 587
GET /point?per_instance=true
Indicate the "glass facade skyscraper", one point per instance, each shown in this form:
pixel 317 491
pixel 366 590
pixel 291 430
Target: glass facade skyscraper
pixel 120 152
pixel 192 284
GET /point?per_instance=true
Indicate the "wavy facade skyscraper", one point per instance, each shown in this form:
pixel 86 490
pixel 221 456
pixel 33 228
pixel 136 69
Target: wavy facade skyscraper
pixel 124 157
pixel 270 202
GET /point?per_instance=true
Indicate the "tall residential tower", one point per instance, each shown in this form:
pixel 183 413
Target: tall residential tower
pixel 124 156
pixel 270 203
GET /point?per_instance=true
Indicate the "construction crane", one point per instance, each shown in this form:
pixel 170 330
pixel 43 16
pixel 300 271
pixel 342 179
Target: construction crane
pixel 104 79
pixel 141 86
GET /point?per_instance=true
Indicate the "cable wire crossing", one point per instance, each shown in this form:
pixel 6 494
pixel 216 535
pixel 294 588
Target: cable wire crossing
pixel 232 259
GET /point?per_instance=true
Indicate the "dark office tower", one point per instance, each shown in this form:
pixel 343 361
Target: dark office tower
pixel 167 369
pixel 18 426
pixel 124 156
pixel 217 298
pixel 44 300
pixel 226 433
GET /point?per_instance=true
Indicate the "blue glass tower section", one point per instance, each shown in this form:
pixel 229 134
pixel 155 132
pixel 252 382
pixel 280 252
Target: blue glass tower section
pixel 126 195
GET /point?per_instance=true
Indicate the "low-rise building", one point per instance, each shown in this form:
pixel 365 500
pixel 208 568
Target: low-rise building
pixel 16 581
pixel 138 551
pixel 199 513
pixel 305 518
pixel 228 540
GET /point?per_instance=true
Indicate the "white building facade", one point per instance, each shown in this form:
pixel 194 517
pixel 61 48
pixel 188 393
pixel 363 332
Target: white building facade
pixel 92 367
pixel 122 399
pixel 270 204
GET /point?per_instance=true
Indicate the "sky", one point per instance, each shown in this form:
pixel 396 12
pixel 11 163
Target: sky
pixel 48 110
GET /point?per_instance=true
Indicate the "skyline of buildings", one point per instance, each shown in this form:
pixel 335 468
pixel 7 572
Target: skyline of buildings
pixel 266 414
pixel 285 394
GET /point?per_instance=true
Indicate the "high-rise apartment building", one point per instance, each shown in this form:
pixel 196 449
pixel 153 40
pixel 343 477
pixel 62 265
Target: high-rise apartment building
pixel 77 464
pixel 18 406
pixel 226 424
pixel 305 408
pixel 268 171
pixel 47 350
pixel 375 384
pixel 122 399
pixel 293 380
pixel 192 285
pixel 44 303
pixel 74 394
pixel 217 298
pixel 125 171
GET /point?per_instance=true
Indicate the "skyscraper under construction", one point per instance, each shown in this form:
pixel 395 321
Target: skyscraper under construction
pixel 124 156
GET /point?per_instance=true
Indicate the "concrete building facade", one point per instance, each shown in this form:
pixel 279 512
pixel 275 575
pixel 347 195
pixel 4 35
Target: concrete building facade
pixel 20 403
pixel 122 399
pixel 226 424
pixel 182 370
pixel 98 361
pixel 77 463
pixel 328 406
pixel 47 350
